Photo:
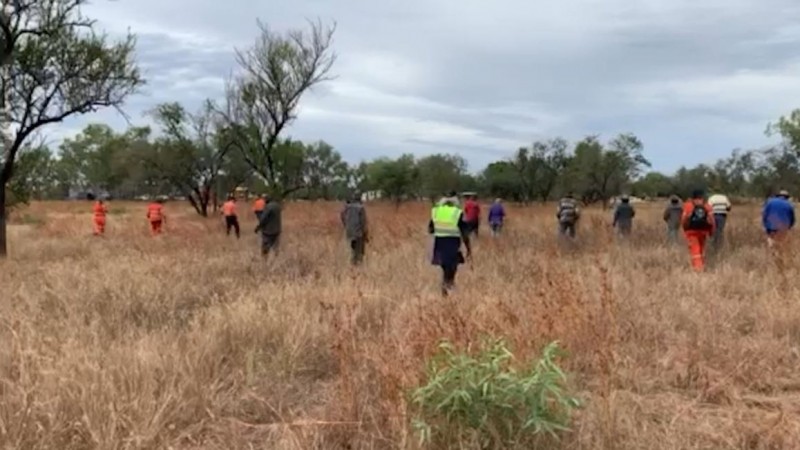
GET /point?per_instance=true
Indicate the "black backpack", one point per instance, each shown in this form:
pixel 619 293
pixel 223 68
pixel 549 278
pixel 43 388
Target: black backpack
pixel 698 220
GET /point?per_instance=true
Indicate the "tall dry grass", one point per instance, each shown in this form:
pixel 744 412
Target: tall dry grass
pixel 191 341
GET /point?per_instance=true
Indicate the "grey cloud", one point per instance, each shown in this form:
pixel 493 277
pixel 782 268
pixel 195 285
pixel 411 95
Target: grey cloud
pixel 693 79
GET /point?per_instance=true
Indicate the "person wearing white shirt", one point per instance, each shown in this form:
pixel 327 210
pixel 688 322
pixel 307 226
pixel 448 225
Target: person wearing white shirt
pixel 721 206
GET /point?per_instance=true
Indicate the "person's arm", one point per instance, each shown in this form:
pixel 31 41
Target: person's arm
pixel 430 227
pixel 791 218
pixel 464 229
pixel 711 219
pixel 765 216
pixel 266 214
pixel 343 215
pixel 666 214
pixel 363 214
pixel 633 212
pixel 616 216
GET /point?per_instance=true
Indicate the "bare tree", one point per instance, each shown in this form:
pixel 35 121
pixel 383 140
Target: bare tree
pixel 55 66
pixel 192 154
pixel 262 100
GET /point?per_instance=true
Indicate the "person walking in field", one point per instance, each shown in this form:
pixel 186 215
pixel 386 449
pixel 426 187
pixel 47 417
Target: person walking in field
pixel 568 214
pixel 721 207
pixel 258 206
pixel 99 211
pixel 497 217
pixel 156 216
pixel 672 216
pixel 231 219
pixel 778 219
pixel 698 226
pixel 270 225
pixel 472 213
pixel 449 230
pixel 623 216
pixel 354 221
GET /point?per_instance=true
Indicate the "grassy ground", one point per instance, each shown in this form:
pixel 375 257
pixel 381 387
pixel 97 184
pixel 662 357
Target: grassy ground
pixel 191 341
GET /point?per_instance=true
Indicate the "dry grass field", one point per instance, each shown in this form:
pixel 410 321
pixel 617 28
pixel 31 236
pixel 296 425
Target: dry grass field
pixel 191 341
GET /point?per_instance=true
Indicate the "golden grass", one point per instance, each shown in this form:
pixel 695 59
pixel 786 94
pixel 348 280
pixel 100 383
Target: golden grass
pixel 191 341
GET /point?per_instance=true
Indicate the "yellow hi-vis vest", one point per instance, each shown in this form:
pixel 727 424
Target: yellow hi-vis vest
pixel 445 221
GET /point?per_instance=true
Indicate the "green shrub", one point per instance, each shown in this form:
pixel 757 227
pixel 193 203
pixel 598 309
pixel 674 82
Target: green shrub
pixel 483 400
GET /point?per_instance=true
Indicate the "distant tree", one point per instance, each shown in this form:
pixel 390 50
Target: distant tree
pixel 35 175
pixel 599 172
pixel 262 101
pixel 439 174
pixel 653 184
pixel 397 178
pixel 94 160
pixel 501 179
pixel 189 155
pixel 54 66
pixel 326 175
pixel 549 159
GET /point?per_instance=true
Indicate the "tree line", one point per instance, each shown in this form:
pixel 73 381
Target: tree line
pixel 192 156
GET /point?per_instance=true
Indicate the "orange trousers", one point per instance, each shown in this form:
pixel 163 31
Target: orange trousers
pixel 697 247
pixel 155 227
pixel 99 226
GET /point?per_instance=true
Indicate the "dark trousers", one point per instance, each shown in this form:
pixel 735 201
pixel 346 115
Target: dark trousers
pixel 357 247
pixel 566 229
pixel 718 239
pixel 232 222
pixel 448 278
pixel 270 242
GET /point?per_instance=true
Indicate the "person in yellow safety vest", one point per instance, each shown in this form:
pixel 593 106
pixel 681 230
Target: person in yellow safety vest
pixel 449 230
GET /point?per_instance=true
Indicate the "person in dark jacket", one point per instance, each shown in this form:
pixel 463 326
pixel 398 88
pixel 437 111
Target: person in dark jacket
pixel 623 216
pixel 568 214
pixel 778 218
pixel 672 216
pixel 497 217
pixel 449 229
pixel 354 220
pixel 269 224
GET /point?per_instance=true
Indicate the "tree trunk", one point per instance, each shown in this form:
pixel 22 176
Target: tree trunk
pixel 3 246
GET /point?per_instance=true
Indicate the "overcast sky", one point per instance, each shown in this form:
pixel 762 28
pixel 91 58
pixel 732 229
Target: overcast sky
pixel 693 79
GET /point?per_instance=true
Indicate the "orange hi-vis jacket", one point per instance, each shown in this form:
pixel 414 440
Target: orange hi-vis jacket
pixel 100 210
pixel 688 208
pixel 155 212
pixel 696 239
pixel 229 208
pixel 259 205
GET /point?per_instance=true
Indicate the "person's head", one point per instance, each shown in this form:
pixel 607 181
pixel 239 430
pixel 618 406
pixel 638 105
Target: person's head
pixel 674 200
pixel 355 197
pixel 784 194
pixel 498 201
pixel 698 194
pixel 160 201
pixel 570 195
pixel 265 196
pixel 450 199
pixel 625 199
pixel 231 198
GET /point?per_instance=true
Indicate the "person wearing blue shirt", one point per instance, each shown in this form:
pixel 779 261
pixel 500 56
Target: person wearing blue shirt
pixel 778 218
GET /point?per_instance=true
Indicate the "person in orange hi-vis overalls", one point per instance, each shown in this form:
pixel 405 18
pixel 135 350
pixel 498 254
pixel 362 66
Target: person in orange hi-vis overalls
pixel 156 216
pixel 698 225
pixel 99 217
pixel 231 219
pixel 258 206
